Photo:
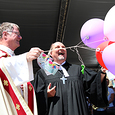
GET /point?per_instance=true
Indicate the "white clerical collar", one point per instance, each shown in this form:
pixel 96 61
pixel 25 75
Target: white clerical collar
pixel 6 49
pixel 63 63
pixel 63 69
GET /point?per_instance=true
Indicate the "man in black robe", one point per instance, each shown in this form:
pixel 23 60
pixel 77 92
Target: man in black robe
pixel 65 92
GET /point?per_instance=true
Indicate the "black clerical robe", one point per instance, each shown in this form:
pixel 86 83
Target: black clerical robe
pixel 70 98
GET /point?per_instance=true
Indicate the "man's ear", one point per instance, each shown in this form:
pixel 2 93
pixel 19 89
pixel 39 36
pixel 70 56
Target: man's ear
pixel 50 54
pixel 4 35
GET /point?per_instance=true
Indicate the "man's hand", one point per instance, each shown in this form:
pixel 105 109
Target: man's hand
pixel 33 54
pixel 103 74
pixel 103 70
pixel 51 92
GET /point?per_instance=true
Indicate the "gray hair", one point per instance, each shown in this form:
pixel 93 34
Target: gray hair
pixel 7 26
pixel 51 47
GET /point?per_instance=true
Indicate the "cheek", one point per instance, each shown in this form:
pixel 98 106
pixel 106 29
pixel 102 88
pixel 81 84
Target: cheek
pixel 55 51
pixel 14 36
pixel 65 52
pixel 54 54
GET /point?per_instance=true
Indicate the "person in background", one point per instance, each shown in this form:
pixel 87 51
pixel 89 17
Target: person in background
pixel 114 97
pixel 110 96
pixel 110 99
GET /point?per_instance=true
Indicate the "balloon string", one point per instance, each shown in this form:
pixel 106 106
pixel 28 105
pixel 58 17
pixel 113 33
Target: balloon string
pixel 80 46
pixel 61 48
pixel 79 42
pixel 94 41
pixel 86 48
pixel 76 50
pixel 79 57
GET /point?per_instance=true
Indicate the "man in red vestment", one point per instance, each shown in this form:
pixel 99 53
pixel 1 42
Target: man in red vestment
pixel 15 70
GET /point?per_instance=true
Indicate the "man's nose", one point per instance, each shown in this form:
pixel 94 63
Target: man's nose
pixel 60 48
pixel 20 37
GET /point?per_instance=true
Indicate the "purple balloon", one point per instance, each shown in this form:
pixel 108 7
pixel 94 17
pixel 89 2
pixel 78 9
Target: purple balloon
pixel 108 57
pixel 92 33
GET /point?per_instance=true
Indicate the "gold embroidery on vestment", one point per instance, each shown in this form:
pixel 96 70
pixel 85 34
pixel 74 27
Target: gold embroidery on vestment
pixel 30 88
pixel 5 82
pixel 17 106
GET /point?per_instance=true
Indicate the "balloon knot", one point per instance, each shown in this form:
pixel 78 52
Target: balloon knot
pixel 86 37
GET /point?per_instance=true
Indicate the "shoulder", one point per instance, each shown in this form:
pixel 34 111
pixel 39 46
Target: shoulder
pixel 39 75
pixel 3 54
pixel 38 72
pixel 110 90
pixel 76 66
pixel 73 65
pixel 74 69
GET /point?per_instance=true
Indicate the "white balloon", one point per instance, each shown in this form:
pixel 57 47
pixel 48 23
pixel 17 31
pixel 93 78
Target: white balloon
pixel 109 24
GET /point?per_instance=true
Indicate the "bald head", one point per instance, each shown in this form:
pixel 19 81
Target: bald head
pixel 58 52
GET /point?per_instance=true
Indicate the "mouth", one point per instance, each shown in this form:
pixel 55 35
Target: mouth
pixel 61 54
pixel 18 41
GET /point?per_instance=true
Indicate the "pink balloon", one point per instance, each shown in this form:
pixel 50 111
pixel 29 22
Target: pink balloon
pixel 109 24
pixel 92 33
pixel 108 57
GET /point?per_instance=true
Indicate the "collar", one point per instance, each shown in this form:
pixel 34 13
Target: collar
pixel 60 64
pixel 63 63
pixel 7 50
pixel 62 68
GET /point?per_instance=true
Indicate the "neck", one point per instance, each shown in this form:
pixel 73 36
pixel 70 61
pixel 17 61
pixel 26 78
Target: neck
pixel 7 45
pixel 59 62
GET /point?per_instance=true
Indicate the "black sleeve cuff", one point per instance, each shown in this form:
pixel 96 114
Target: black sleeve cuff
pixel 102 72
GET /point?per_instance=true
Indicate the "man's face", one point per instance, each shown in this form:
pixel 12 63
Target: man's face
pixel 13 38
pixel 58 53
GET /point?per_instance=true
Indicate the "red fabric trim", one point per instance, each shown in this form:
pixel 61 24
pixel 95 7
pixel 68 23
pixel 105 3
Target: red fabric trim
pixel 30 96
pixel 11 93
pixel 6 54
pixel 13 96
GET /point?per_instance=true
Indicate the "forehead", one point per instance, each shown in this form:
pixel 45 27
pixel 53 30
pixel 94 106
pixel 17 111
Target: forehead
pixel 58 44
pixel 15 28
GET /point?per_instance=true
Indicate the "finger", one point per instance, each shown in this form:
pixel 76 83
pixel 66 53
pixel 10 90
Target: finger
pixel 37 53
pixel 37 49
pixel 53 88
pixel 49 86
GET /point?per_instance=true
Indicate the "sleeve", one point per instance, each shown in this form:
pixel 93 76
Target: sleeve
pixel 41 93
pixel 112 91
pixel 94 89
pixel 18 68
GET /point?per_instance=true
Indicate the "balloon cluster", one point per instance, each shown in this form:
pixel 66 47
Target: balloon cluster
pixel 100 35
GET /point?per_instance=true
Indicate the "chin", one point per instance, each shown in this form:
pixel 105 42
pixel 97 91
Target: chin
pixel 61 58
pixel 17 46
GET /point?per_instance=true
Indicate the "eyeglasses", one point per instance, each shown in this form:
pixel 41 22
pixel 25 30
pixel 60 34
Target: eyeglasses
pixel 17 33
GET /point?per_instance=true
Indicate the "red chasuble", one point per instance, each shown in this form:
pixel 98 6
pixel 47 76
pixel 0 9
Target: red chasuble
pixel 13 101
